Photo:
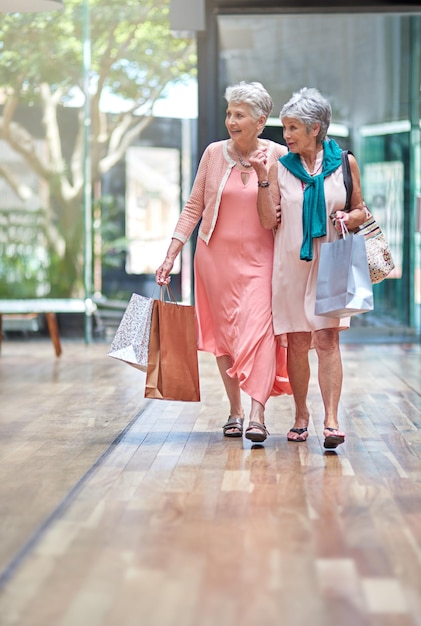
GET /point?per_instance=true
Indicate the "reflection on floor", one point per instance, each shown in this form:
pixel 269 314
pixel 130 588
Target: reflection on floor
pixel 117 511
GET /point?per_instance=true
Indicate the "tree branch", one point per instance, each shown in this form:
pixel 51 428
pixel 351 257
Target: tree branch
pixel 121 142
pixel 22 191
pixel 19 138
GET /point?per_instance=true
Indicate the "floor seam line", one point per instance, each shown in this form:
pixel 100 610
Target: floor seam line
pixel 65 503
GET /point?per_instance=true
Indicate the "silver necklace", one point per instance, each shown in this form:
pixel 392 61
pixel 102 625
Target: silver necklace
pixel 243 163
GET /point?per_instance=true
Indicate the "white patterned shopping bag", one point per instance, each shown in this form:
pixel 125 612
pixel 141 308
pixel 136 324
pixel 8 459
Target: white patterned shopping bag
pixel 131 341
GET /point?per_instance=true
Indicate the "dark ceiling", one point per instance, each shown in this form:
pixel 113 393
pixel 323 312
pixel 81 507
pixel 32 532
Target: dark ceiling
pixel 311 6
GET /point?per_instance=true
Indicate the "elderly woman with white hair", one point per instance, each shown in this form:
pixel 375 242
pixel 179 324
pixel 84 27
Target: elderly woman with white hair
pixel 304 190
pixel 233 262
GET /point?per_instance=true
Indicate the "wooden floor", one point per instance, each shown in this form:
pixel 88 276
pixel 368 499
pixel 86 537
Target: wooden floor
pixel 117 511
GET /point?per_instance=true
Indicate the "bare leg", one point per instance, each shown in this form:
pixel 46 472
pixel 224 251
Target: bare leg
pixel 232 389
pixel 299 378
pixel 257 412
pixel 330 373
pixel 256 430
pixel 330 382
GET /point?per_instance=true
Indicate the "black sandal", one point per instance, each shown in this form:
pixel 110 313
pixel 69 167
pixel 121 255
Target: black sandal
pixel 301 432
pixel 236 425
pixel 333 439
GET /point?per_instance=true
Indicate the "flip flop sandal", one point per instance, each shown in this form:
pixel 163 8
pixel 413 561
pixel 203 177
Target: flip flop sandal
pixel 234 424
pixel 256 437
pixel 302 432
pixel 333 440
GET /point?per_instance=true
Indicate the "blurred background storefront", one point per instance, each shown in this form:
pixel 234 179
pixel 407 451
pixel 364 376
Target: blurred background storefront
pixel 365 58
pixel 94 168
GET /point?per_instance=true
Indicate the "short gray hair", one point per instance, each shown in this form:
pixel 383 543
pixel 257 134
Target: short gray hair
pixel 253 94
pixel 310 107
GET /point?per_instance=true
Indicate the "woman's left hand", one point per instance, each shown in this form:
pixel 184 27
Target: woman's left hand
pixel 341 216
pixel 259 161
pixel 351 220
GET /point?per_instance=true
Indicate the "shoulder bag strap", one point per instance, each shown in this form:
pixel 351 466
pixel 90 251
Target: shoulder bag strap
pixel 346 171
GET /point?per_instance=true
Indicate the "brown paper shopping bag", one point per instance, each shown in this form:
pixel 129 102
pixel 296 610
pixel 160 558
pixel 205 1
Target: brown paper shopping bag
pixel 173 372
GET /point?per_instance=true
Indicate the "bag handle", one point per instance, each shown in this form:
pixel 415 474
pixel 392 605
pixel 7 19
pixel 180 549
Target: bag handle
pixel 346 172
pixel 344 230
pixel 165 290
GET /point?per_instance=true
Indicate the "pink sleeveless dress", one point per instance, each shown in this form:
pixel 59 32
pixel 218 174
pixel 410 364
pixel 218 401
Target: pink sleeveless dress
pixel 233 293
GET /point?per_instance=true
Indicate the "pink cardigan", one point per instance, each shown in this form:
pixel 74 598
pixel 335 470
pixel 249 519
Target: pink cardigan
pixel 214 169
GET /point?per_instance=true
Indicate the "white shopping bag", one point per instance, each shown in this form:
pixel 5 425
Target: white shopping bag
pixel 343 281
pixel 131 341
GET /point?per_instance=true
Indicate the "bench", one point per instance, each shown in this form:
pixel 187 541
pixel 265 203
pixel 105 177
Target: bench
pixel 49 307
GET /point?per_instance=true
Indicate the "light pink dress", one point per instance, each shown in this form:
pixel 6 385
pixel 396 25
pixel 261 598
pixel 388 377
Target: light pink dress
pixel 233 293
pixel 294 281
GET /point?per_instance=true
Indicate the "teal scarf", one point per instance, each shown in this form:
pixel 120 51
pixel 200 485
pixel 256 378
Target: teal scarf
pixel 314 206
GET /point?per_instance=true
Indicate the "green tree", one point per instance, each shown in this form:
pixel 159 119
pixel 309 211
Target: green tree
pixel 133 56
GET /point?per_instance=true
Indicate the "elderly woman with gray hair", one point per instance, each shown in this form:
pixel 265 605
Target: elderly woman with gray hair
pixel 233 262
pixel 305 189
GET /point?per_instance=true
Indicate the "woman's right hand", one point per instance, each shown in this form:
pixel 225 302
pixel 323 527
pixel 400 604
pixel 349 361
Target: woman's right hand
pixel 162 274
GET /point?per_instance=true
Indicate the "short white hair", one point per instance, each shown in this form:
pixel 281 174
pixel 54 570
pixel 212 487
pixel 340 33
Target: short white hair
pixel 310 107
pixel 253 94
